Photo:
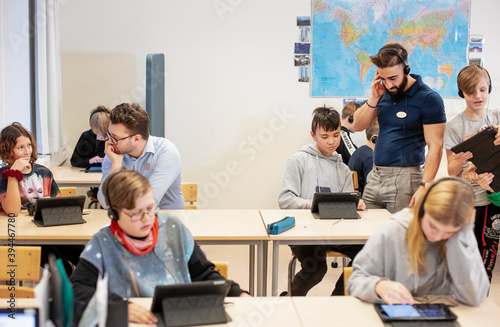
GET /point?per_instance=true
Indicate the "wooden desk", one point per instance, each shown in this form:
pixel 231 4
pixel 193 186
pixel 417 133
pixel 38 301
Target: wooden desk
pixel 224 227
pixel 228 227
pixel 309 230
pixel 268 311
pixel 74 176
pixel 350 311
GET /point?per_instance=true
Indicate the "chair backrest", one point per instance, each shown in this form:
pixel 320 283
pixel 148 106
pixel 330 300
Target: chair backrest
pixel 68 191
pixel 27 261
pixel 347 274
pixel 221 267
pixel 355 180
pixel 190 193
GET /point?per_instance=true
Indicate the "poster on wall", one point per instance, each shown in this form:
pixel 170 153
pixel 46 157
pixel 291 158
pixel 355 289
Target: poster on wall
pixel 346 33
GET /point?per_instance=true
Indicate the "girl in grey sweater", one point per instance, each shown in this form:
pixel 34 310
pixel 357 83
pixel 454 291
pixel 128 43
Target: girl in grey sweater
pixel 428 249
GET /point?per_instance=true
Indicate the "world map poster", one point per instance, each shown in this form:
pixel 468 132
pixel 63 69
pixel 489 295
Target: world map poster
pixel 346 33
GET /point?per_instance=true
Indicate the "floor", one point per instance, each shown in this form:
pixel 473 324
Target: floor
pixel 237 256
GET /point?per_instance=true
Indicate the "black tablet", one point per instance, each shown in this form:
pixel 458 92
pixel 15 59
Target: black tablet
pixel 415 312
pixel 220 287
pixel 93 169
pixel 59 211
pixel 335 205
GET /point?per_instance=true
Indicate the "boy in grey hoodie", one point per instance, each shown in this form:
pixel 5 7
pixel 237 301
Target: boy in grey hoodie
pixel 316 168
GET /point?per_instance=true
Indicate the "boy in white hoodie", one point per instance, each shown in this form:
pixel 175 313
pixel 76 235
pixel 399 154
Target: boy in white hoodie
pixel 316 168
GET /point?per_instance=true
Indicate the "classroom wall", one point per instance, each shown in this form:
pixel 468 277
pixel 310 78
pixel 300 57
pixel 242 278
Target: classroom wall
pixel 234 107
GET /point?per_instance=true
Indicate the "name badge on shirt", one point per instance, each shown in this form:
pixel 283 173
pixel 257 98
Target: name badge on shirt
pixel 401 114
pixel 147 166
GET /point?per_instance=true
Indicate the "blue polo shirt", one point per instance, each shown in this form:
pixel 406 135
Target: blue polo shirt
pixel 401 141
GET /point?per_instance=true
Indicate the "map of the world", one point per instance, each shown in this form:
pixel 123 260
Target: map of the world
pixel 346 33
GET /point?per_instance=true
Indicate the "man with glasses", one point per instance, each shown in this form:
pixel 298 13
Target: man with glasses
pixel 129 145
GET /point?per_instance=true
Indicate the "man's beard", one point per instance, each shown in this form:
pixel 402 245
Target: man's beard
pixel 400 89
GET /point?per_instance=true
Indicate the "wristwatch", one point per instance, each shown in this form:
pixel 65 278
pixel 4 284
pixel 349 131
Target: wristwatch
pixel 423 184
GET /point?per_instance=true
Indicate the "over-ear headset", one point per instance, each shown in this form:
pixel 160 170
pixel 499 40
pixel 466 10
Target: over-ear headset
pixel 460 93
pixel 350 119
pixel 406 68
pixel 374 139
pixel 100 109
pixel 112 213
pixel 421 211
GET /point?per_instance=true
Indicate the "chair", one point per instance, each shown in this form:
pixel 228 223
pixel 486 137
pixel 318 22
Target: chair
pixel 68 191
pixel 347 274
pixel 329 254
pixel 190 193
pixel 221 267
pixel 355 180
pixel 27 259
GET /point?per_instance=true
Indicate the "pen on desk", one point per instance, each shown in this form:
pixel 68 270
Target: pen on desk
pixel 338 221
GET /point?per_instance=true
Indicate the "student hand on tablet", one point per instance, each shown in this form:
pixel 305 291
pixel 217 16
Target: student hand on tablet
pixel 361 205
pixel 497 137
pixel 140 315
pixel 484 180
pixel 94 160
pixel 462 157
pixel 393 292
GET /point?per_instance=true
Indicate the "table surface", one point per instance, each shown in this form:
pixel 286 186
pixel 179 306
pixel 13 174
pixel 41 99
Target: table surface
pixel 309 228
pixel 74 176
pixel 315 311
pixel 205 225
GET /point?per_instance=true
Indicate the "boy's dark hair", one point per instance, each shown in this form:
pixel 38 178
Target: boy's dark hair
pixel 327 118
pixel 8 140
pixel 372 129
pixel 133 117
pixel 384 59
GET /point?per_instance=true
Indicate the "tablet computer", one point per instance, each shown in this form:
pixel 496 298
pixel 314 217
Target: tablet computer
pixel 217 287
pixel 24 317
pixel 335 205
pixel 59 211
pixel 93 169
pixel 415 312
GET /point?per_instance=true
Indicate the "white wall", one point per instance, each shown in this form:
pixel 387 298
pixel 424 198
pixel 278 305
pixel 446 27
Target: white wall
pixel 234 107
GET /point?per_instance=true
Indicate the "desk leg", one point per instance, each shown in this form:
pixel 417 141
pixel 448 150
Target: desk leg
pixel 251 273
pixel 261 268
pixel 276 261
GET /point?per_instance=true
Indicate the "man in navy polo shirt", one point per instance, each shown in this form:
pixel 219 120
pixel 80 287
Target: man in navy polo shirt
pixel 410 116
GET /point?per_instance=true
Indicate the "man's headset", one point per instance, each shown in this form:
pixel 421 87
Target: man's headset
pixel 112 213
pixel 421 211
pixel 406 68
pixel 460 93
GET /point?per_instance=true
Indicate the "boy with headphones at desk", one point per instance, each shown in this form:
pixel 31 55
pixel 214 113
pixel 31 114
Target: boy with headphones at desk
pixel 474 85
pixel 139 242
pixel 429 249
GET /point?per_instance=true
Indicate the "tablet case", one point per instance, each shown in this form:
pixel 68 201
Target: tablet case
pixel 337 210
pixel 281 225
pixel 486 155
pixel 59 211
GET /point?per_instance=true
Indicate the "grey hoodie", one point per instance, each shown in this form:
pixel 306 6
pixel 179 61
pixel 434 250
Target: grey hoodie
pixel 385 256
pixel 307 169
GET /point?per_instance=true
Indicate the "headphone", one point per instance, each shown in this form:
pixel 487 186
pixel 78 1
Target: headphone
pixel 112 213
pixel 100 109
pixel 374 139
pixel 406 68
pixel 460 93
pixel 350 119
pixel 421 211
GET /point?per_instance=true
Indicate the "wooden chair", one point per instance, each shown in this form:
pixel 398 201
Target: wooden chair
pixel 190 193
pixel 221 267
pixel 27 259
pixel 68 191
pixel 355 180
pixel 329 254
pixel 347 274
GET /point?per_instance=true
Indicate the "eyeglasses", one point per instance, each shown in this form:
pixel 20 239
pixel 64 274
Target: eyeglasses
pixel 114 140
pixel 139 215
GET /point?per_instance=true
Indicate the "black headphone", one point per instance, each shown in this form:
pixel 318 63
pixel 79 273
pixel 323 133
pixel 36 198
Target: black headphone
pixel 406 68
pixel 112 213
pixel 374 139
pixel 460 93
pixel 421 211
pixel 100 109
pixel 350 119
